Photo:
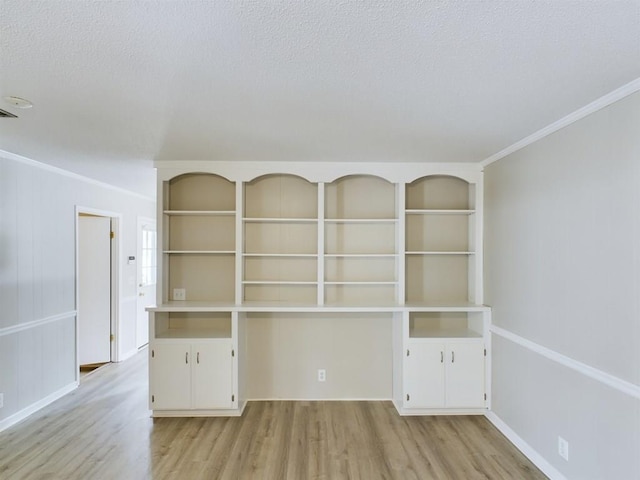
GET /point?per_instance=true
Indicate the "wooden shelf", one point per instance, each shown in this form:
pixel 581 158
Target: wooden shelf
pixel 444 333
pixel 439 253
pixel 192 333
pixel 361 255
pixel 279 220
pixel 277 282
pixel 278 255
pixel 418 211
pixel 213 213
pixel 361 220
pixel 200 252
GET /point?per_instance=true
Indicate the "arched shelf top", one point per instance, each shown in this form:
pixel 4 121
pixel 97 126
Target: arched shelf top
pixel 181 176
pixel 277 176
pixel 200 191
pixel 353 176
pixel 321 172
pixel 440 192
pixel 280 195
pixel 360 197
pixel 453 177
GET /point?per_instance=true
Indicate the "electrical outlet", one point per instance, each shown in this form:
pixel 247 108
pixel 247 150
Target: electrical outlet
pixel 179 294
pixel 1 400
pixel 322 375
pixel 563 448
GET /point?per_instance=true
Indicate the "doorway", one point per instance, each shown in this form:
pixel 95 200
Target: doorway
pixel 146 276
pixel 95 292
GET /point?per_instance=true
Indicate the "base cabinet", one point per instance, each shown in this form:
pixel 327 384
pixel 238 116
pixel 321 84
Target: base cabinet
pixel 192 375
pixel 444 375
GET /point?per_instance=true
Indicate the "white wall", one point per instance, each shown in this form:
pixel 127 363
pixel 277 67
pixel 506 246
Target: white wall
pixel 562 273
pixel 37 278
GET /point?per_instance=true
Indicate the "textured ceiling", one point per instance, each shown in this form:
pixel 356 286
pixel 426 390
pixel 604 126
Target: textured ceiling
pixel 117 85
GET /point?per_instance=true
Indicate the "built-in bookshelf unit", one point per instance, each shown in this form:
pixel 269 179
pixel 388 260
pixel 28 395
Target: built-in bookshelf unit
pixel 318 257
pixel 198 238
pixel 360 250
pixel 280 235
pixel 440 252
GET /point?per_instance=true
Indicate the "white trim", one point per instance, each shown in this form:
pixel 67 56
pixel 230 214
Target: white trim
pixel 602 102
pixel 538 460
pixel 598 375
pixel 34 407
pixel 36 323
pixel 66 173
pixel 317 172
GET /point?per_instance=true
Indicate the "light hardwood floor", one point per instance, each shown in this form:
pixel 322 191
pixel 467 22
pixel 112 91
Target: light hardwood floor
pixel 103 430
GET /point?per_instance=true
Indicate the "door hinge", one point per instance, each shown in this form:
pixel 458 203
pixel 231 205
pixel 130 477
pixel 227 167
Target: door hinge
pixel 112 337
pixel 112 235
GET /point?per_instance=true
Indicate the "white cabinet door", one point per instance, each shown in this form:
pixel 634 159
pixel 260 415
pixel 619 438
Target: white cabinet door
pixel 447 375
pixel 424 375
pixel 465 375
pixel 171 376
pixel 212 375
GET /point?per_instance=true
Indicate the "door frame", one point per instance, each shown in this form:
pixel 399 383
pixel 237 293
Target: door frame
pixel 116 247
pixel 140 221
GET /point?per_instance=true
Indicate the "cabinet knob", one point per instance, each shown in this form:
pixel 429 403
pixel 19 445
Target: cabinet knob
pixel 198 357
pixel 453 356
pixel 186 357
pixel 441 357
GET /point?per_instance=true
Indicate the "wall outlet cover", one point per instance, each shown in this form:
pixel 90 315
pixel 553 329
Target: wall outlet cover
pixel 179 294
pixel 563 448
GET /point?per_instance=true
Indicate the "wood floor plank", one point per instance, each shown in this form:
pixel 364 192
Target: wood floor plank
pixel 103 430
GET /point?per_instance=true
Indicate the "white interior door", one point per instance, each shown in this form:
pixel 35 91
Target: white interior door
pixel 146 276
pixel 94 289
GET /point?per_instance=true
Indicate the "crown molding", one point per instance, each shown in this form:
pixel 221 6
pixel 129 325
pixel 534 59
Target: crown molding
pixel 61 171
pixel 602 102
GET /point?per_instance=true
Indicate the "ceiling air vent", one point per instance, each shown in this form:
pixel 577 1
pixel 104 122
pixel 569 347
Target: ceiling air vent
pixel 4 114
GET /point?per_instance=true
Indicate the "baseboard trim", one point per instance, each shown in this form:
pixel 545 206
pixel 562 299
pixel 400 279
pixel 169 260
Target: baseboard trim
pixel 537 459
pixel 125 356
pixel 34 407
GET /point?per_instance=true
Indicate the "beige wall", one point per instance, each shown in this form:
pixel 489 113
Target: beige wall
pixel 562 270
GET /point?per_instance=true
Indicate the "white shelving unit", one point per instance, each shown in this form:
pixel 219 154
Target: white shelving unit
pixel 360 241
pixel 280 240
pixel 250 240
